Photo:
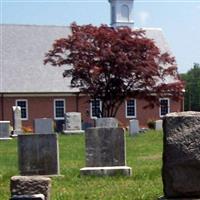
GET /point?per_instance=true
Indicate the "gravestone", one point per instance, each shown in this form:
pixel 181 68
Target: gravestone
pixel 181 155
pixel 30 187
pixel 38 154
pixel 105 152
pixel 108 122
pixel 17 121
pixel 159 125
pixel 5 130
pixel 43 126
pixel 134 127
pixel 73 123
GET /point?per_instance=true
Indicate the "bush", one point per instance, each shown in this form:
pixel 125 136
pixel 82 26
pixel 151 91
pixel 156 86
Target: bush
pixel 151 124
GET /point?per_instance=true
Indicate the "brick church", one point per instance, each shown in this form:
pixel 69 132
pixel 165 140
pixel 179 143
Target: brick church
pixel 42 92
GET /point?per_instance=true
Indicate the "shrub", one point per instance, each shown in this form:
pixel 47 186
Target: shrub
pixel 151 124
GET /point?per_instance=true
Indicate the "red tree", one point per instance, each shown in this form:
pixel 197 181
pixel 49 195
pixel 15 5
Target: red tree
pixel 113 64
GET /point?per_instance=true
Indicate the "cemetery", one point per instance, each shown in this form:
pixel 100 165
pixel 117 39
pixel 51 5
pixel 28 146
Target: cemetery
pixel 143 155
pixel 154 164
pixel 113 129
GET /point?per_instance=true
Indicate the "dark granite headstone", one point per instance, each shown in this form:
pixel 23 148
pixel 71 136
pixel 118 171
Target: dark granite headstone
pixel 105 152
pixel 181 155
pixel 105 147
pixel 38 154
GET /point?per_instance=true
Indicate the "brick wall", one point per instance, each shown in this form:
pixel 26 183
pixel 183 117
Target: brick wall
pixel 39 107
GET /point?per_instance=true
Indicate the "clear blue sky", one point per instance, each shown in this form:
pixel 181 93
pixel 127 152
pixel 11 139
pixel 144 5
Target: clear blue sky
pixel 179 19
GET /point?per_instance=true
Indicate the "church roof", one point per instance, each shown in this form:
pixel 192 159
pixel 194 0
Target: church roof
pixel 22 51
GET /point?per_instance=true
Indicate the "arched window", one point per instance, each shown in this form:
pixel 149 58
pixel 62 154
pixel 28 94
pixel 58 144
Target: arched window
pixel 125 12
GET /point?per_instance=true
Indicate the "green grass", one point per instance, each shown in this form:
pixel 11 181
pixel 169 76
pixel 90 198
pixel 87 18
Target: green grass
pixel 144 154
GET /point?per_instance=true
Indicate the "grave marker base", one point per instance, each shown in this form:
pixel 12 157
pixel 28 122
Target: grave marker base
pixel 106 171
pixel 6 138
pixel 28 197
pixel 180 198
pixel 73 132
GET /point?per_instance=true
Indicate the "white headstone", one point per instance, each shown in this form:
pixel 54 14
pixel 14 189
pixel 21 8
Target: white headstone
pixel 158 125
pixel 43 126
pixel 17 120
pixel 73 123
pixel 4 130
pixel 134 127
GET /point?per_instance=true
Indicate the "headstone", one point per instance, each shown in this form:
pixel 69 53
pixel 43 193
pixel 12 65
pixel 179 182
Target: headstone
pixel 181 155
pixel 4 130
pixel 159 125
pixel 17 126
pixel 73 123
pixel 134 127
pixel 43 126
pixel 38 154
pixel 105 152
pixel 108 122
pixel 30 187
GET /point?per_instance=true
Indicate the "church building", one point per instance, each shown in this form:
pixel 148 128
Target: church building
pixel 42 92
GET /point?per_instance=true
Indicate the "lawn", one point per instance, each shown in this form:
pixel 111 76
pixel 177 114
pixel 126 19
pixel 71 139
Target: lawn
pixel 144 155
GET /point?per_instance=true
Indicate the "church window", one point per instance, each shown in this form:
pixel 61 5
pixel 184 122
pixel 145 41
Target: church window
pixel 125 12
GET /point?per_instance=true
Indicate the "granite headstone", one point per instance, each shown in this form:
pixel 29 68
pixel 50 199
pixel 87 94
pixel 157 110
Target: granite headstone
pixel 4 130
pixel 105 152
pixel 107 122
pixel 181 155
pixel 38 154
pixel 43 126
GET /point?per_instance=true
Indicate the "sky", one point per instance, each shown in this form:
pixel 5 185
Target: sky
pixel 179 19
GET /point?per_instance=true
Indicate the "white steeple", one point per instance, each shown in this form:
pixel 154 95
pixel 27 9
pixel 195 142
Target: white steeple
pixel 121 13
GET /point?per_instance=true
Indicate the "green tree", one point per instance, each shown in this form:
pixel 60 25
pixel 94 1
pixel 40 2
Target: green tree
pixel 192 93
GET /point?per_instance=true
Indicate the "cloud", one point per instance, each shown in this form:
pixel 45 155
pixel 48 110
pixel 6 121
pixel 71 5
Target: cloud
pixel 144 16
